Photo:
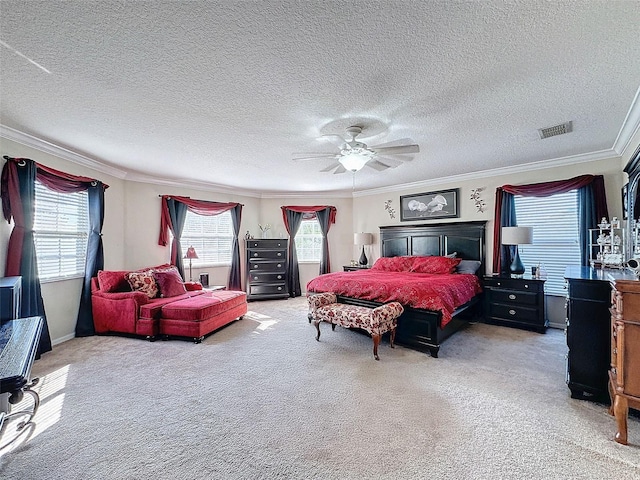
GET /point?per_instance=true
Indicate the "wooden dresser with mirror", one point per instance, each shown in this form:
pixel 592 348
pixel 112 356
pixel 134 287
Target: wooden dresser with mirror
pixel 624 375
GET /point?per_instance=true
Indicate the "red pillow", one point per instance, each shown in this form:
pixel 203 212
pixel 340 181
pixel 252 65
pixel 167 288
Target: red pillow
pixel 393 264
pixel 143 282
pixel 113 281
pixel 170 283
pixel 435 265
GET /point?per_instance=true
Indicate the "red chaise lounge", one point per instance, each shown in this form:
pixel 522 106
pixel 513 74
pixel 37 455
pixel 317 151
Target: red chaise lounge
pixel 174 308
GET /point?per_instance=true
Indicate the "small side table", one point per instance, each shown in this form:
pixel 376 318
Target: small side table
pixel 351 268
pixel 515 302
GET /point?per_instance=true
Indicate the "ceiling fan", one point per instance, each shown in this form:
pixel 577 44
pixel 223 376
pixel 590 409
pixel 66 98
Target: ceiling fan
pixel 354 155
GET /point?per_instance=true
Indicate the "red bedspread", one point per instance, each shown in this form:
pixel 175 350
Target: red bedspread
pixel 443 293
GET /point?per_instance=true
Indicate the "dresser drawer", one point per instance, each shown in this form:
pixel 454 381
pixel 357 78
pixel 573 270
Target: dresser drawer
pixel 513 297
pixel 514 313
pixel 593 290
pixel 267 289
pixel 267 243
pixel 514 283
pixel 266 277
pixel 266 254
pixel 267 266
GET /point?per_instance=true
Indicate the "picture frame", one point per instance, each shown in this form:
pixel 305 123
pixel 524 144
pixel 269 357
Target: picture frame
pixel 430 205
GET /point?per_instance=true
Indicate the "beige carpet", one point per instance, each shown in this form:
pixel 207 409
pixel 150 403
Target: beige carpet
pixel 262 399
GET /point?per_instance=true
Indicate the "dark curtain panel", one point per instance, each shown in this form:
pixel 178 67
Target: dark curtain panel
pixel 177 214
pixel 507 219
pixel 95 258
pixel 594 196
pixel 588 217
pixel 292 224
pixel 20 175
pixel 324 219
pixel 235 276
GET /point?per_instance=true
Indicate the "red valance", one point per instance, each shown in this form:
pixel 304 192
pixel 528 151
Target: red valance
pixel 546 189
pixel 309 209
pixel 53 179
pixel 200 207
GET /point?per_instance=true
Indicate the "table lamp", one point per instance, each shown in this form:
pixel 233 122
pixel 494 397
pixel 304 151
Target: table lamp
pixel 191 254
pixel 362 239
pixel 517 236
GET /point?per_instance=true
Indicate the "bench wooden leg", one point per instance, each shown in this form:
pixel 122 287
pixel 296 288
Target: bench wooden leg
pixel 376 342
pixel 392 337
pixel 317 324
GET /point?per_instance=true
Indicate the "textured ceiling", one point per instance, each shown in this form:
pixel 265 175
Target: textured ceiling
pixel 224 92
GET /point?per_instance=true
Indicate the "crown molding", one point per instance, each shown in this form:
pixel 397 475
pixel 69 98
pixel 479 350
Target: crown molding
pixel 526 167
pixel 630 126
pixel 58 151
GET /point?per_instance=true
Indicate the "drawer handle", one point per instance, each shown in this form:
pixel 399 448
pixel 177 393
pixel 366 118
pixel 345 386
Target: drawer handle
pixel 279 265
pixel 255 266
pixel 512 297
pixel 279 254
pixel 279 244
pixel 615 351
pixel 279 288
pixel 499 283
pixel 255 254
pixel 255 244
pixel 512 312
pixel 279 277
pixel 255 278
pixel 526 285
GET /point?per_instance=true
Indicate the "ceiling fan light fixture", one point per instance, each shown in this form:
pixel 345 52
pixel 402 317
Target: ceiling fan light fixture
pixel 354 161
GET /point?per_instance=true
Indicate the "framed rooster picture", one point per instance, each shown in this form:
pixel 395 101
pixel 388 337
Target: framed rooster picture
pixel 430 205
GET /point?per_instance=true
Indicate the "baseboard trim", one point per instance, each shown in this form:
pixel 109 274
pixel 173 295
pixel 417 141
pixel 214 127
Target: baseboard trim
pixel 58 341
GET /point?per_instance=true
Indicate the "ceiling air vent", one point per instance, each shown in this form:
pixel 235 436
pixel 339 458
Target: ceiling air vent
pixel 555 130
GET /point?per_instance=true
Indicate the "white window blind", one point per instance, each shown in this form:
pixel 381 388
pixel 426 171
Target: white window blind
pixel 309 241
pixel 61 228
pixel 556 240
pixel 211 236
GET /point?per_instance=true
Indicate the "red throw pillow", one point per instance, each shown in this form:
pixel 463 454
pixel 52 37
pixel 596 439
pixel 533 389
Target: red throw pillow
pixel 143 282
pixel 170 283
pixel 393 264
pixel 435 265
pixel 113 281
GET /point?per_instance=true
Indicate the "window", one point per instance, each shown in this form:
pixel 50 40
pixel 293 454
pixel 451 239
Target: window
pixel 309 241
pixel 61 228
pixel 556 239
pixel 210 235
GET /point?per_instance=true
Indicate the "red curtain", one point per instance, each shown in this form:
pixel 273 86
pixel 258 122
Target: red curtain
pixel 544 189
pixel 201 207
pixel 308 210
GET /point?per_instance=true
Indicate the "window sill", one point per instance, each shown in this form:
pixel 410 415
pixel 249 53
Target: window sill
pixel 60 279
pixel 304 262
pixel 205 265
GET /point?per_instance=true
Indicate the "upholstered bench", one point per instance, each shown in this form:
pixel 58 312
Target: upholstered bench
pixel 200 315
pixel 375 321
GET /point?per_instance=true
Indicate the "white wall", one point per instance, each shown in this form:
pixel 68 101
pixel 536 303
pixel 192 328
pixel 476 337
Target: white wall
pixel 369 212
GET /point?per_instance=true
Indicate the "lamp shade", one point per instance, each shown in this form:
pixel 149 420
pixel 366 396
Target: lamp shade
pixel 362 239
pixel 517 235
pixel 191 253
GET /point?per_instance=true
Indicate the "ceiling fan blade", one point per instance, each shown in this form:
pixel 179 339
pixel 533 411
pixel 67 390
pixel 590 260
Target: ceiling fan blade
pixel 377 165
pixel 331 167
pixel 397 143
pixel 393 161
pixel 316 157
pixel 340 169
pixel 400 149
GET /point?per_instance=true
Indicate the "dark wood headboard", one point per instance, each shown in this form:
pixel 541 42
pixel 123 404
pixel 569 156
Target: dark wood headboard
pixel 465 238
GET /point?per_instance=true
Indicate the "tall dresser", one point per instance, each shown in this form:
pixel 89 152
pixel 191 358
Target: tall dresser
pixel 588 332
pixel 267 268
pixel 625 352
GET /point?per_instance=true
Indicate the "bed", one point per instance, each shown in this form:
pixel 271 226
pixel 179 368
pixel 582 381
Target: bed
pixel 428 322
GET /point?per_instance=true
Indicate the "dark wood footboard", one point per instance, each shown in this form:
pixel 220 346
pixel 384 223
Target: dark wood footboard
pixel 420 329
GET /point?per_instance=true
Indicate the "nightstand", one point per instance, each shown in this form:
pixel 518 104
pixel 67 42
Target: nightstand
pixel 515 302
pixel 351 268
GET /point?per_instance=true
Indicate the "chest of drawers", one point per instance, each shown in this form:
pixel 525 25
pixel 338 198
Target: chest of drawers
pixel 515 302
pixel 267 268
